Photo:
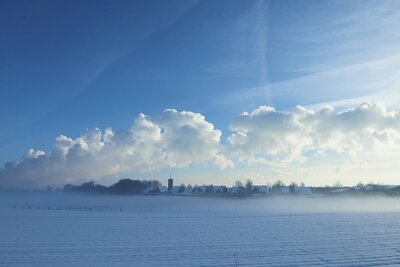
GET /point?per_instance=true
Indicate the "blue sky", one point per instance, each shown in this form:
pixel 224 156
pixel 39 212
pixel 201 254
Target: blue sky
pixel 68 66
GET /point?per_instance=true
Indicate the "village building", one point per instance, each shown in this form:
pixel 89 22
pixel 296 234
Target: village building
pixel 220 189
pixel 303 190
pixel 177 189
pixel 237 190
pixel 260 189
pixel 155 190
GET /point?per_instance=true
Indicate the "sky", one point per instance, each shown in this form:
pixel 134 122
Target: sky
pixel 210 91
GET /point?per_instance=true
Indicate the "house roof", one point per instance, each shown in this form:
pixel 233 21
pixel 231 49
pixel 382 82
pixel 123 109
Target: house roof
pixel 284 189
pixel 260 189
pixel 303 190
pixel 236 189
pixel 148 190
pixel 188 191
pixel 163 189
pixel 176 189
pixel 203 188
pixel 219 188
pixel 340 190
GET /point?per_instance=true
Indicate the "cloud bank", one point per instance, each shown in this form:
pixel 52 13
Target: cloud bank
pixel 303 133
pixel 173 139
pixel 179 139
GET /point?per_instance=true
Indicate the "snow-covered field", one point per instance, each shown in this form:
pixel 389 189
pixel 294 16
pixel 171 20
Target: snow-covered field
pixel 59 230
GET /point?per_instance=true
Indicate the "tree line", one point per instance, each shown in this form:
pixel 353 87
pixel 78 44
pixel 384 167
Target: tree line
pixel 122 187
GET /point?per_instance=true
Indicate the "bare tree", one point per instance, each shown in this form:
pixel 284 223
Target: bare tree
pixel 155 183
pixel 238 183
pixel 279 183
pixel 249 186
pixel 276 187
pixel 210 188
pixel 292 187
pixel 337 184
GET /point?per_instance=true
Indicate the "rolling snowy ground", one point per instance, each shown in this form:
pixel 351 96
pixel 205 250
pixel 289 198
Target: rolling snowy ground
pixel 59 230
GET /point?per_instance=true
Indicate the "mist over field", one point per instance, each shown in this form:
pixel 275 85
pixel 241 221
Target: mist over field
pixel 199 205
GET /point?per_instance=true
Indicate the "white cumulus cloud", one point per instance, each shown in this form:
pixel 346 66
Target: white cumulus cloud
pixel 178 139
pixel 301 133
pixel 173 139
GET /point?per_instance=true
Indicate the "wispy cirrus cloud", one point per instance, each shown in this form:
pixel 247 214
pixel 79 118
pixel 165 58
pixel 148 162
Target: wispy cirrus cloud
pixel 338 53
pixel 376 80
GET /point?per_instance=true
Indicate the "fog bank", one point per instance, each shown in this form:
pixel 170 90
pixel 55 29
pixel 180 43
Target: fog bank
pixel 199 205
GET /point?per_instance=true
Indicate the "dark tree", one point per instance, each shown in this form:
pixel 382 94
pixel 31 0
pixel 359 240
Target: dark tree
pixel 276 187
pixel 249 186
pixel 238 183
pixel 128 187
pixel 292 188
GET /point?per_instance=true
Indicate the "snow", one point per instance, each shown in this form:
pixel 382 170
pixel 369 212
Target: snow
pixel 163 189
pixel 176 189
pixel 340 190
pixel 59 230
pixel 262 189
pixel 156 190
pixel 285 190
pixel 148 190
pixel 236 190
pixel 188 191
pixel 303 190
pixel 219 189
pixel 202 189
